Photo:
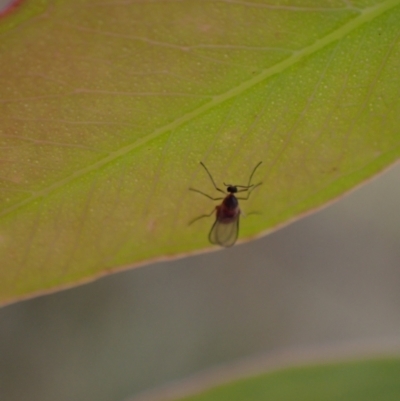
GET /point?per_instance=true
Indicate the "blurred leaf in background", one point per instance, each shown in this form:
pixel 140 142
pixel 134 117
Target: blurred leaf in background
pixel 366 380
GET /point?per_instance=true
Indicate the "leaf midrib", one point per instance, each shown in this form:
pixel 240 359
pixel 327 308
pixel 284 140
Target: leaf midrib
pixel 365 16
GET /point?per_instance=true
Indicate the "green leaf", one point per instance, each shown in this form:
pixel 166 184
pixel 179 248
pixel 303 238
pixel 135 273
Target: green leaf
pixel 352 381
pixel 107 108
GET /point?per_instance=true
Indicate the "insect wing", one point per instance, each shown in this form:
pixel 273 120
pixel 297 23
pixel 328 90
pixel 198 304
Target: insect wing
pixel 224 233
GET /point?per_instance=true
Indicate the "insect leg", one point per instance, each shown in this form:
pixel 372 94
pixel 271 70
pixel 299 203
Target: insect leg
pixel 208 196
pixel 202 216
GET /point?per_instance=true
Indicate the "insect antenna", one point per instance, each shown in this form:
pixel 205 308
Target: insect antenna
pixel 249 188
pixel 212 180
pixel 251 176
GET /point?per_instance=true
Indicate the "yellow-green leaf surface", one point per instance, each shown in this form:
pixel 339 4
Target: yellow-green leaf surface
pixel 107 107
pixel 352 381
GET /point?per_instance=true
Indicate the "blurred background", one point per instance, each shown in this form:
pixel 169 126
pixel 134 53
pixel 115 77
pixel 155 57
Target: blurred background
pixel 330 278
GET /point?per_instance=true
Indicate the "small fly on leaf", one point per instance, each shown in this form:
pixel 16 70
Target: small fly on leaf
pixel 225 229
